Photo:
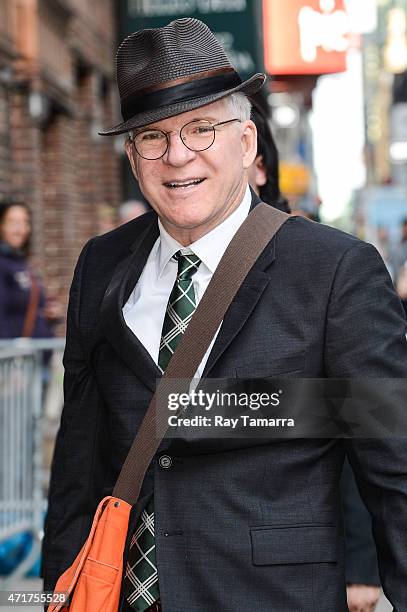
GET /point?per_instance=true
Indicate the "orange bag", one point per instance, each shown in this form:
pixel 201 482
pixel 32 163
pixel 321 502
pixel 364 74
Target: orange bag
pixel 96 573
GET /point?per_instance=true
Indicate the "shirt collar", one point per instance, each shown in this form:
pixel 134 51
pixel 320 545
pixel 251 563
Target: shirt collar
pixel 210 247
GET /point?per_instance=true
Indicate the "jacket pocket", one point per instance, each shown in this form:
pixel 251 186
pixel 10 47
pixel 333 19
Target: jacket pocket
pixel 274 367
pixel 294 544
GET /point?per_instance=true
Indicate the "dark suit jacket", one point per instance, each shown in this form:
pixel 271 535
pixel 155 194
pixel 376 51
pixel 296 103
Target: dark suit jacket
pixel 240 524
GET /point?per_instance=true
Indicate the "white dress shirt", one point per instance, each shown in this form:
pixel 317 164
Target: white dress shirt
pixel 145 309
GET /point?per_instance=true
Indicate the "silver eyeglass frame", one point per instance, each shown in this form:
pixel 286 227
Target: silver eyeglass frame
pixel 167 134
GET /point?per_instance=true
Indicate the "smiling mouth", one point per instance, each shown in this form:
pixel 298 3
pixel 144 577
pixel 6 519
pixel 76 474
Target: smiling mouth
pixel 183 184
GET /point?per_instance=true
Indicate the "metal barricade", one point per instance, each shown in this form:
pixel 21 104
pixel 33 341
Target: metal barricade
pixel 22 499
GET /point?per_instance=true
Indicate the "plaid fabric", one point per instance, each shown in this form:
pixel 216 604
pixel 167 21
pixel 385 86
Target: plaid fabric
pixel 180 308
pixel 141 580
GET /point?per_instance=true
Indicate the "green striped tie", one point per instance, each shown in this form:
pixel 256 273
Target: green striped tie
pixel 141 579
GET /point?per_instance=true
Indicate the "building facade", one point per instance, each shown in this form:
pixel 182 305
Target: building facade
pixel 56 91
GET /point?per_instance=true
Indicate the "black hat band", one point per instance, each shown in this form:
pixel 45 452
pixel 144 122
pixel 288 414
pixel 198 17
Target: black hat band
pixel 133 105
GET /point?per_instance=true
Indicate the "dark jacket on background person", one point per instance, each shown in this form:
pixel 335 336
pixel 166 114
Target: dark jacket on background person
pixel 360 551
pixel 240 524
pixel 15 287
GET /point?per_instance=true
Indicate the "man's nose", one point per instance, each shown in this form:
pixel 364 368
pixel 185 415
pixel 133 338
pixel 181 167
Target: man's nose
pixel 177 153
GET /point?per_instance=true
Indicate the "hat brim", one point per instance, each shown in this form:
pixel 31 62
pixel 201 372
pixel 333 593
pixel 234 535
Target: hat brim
pixel 249 87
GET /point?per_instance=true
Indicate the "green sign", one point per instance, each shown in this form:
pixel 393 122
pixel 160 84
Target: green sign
pixel 235 23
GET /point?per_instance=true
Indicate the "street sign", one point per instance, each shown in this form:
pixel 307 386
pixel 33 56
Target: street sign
pixel 305 36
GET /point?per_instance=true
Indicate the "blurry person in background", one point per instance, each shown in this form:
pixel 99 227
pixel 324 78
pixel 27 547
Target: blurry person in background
pixel 401 285
pixel 399 253
pixel 263 173
pixel 24 309
pixel 383 246
pixel 131 210
pixel 106 218
pixel 362 577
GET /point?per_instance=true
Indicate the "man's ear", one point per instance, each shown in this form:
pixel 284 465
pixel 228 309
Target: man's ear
pixel 249 143
pixel 131 156
pixel 260 173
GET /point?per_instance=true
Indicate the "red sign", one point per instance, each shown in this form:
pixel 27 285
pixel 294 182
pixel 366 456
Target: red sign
pixel 305 36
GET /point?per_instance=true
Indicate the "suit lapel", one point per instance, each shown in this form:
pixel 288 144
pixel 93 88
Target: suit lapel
pixel 126 344
pixel 245 300
pixel 243 305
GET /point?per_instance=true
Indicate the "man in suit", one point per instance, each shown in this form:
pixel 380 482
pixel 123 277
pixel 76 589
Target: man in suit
pixel 221 524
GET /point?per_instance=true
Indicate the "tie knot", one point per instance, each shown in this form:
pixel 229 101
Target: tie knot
pixel 187 265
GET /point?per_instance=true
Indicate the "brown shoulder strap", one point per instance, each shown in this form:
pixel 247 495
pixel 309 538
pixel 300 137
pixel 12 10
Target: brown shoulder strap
pixel 245 247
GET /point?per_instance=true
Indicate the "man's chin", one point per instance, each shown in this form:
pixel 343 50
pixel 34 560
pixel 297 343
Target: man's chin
pixel 188 215
pixel 188 223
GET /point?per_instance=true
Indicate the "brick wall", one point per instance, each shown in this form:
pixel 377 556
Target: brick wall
pixel 7 56
pixel 4 143
pixel 61 92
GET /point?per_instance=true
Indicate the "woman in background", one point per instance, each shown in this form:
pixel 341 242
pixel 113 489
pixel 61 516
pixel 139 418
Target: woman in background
pixel 24 310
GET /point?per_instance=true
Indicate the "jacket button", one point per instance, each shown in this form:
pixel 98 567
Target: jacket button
pixel 165 461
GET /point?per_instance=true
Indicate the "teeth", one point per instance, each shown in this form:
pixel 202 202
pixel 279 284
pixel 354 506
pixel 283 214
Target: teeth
pixel 176 184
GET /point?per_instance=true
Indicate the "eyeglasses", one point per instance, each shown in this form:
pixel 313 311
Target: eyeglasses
pixel 197 135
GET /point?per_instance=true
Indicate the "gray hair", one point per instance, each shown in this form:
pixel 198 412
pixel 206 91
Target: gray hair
pixel 239 105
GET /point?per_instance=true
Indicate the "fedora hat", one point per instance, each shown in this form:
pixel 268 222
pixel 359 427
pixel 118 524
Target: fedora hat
pixel 163 72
